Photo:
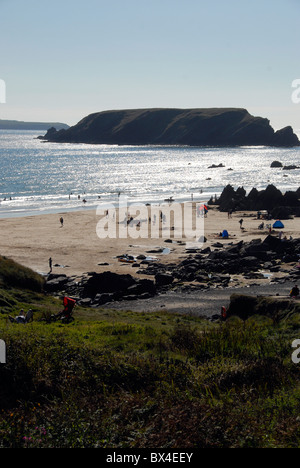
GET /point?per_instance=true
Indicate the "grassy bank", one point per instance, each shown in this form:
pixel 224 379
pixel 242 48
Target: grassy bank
pixel 121 379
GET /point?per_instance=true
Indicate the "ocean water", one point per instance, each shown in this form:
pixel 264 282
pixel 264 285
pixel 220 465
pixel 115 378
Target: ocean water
pixel 37 177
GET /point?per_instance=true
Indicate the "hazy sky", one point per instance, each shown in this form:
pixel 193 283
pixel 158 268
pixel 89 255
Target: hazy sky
pixel 64 59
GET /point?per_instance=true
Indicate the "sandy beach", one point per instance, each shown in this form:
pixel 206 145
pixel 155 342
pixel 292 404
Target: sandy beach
pixel 76 248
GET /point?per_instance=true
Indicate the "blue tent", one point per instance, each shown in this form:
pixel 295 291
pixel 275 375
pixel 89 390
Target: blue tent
pixel 278 225
pixel 225 234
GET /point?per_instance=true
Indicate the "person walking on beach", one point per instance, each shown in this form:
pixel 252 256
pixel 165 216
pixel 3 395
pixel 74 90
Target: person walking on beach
pixel 50 265
pixel 241 223
pixel 61 222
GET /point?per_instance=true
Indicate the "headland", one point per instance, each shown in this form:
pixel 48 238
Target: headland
pixel 218 127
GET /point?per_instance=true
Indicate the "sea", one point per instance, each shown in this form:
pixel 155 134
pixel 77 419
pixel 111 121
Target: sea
pixel 38 177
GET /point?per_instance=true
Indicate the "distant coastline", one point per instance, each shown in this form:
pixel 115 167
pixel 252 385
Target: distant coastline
pixel 40 126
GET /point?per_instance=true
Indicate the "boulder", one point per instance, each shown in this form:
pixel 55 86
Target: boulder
pixel 104 298
pixel 285 137
pixel 107 282
pixel 291 167
pixel 276 164
pixel 273 243
pixel 249 262
pixel 85 302
pixel 141 287
pixel 214 166
pixel 164 279
pixel 56 284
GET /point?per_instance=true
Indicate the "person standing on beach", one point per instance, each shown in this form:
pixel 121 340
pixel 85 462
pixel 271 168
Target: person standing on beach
pixel 295 292
pixel 61 222
pixel 50 265
pixel 241 223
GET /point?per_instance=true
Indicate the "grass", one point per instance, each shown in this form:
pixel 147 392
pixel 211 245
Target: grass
pixel 115 379
pixel 13 274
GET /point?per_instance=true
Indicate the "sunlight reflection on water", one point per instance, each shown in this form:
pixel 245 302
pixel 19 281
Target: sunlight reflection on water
pixel 44 177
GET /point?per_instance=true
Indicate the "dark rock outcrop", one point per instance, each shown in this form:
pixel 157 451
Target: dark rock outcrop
pixel 285 134
pixel 163 279
pixel 214 268
pixel 55 283
pixel 203 270
pixel 191 127
pixel 107 282
pixel 214 166
pixel 276 164
pixel 270 199
pixel 291 167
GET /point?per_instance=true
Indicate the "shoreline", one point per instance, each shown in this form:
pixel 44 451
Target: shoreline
pixel 78 254
pixel 46 212
pixel 93 203
pixel 77 249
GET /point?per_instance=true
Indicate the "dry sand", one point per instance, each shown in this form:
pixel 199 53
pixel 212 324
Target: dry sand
pixel 77 249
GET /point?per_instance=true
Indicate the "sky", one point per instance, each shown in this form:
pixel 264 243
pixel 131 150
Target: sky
pixel 62 60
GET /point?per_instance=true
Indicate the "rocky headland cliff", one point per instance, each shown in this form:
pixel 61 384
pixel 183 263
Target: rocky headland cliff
pixel 188 127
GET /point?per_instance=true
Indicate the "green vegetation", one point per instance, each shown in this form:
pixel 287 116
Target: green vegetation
pixel 13 274
pixel 116 379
